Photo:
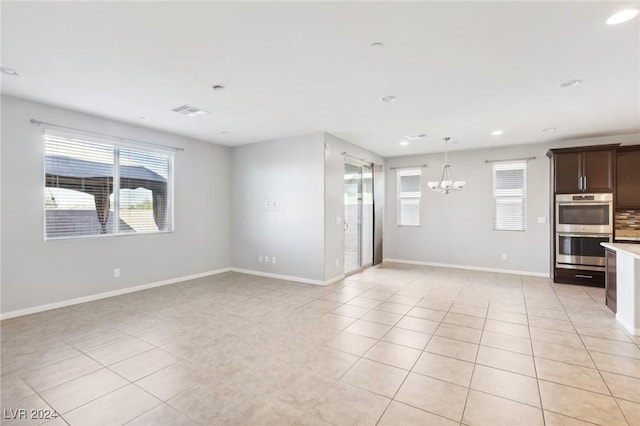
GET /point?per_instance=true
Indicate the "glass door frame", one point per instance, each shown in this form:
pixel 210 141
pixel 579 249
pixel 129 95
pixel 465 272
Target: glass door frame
pixel 364 216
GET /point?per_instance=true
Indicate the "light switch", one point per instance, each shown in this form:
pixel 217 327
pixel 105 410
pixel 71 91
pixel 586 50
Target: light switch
pixel 542 219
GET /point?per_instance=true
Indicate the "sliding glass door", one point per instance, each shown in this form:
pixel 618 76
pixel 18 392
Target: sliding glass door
pixel 358 216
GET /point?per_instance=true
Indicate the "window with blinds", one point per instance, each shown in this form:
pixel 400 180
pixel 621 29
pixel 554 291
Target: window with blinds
pixel 409 196
pixel 509 196
pixel 94 188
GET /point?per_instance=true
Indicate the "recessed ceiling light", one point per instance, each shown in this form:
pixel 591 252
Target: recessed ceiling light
pixel 570 83
pixel 142 117
pixel 622 16
pixel 388 98
pixel 224 132
pixel 190 111
pixel 377 44
pixel 217 87
pixel 497 132
pixel 549 129
pixel 404 143
pixel 9 71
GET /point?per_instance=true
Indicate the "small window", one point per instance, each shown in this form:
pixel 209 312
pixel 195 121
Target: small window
pixel 409 196
pixel 509 196
pixel 97 188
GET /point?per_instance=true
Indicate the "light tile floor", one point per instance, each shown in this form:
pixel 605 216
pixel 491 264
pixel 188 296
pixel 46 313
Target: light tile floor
pixel 392 345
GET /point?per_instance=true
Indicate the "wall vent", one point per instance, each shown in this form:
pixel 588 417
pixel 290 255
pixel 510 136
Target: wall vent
pixel 190 110
pixel 416 136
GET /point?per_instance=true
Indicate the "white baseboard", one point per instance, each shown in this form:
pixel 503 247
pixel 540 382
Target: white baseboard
pixel 470 268
pixel 78 300
pixel 334 279
pixel 278 276
pixel 630 329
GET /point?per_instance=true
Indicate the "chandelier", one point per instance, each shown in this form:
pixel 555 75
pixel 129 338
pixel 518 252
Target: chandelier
pixel 446 184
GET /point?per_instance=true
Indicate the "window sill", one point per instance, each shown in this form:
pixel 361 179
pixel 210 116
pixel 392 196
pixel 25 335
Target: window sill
pixel 88 237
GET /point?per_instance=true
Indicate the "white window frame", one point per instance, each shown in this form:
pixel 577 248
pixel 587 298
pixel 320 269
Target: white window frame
pixel 117 146
pixel 413 171
pixel 510 195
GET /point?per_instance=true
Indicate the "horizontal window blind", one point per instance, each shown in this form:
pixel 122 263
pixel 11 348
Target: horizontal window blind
pixel 143 191
pixel 409 196
pixel 94 188
pixel 509 196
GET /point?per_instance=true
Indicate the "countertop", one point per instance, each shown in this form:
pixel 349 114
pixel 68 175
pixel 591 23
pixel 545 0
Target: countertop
pixel 632 249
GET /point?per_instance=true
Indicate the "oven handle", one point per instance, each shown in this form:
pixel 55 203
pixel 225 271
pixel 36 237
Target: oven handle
pixel 581 203
pixel 563 234
pixel 577 234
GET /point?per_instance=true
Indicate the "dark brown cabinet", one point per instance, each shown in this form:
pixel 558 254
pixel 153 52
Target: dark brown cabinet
pixel 579 276
pixel 610 280
pixel 598 171
pixel 584 170
pixel 568 171
pixel 628 177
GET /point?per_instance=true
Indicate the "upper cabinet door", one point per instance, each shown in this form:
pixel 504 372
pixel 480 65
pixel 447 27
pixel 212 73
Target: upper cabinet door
pixel 598 171
pixel 628 179
pixel 568 172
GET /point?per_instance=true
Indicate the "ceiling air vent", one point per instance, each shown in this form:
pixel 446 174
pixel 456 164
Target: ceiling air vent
pixel 416 136
pixel 190 111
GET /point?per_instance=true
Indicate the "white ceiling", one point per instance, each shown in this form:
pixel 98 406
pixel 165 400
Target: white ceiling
pixel 459 69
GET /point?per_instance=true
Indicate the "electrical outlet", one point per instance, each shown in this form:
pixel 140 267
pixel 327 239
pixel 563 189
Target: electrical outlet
pixel 259 258
pixel 505 257
pixel 337 262
pixel 266 259
pixel 273 260
pixel 116 273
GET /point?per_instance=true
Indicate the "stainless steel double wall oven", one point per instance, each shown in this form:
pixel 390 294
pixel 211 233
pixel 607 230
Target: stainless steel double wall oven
pixel 583 221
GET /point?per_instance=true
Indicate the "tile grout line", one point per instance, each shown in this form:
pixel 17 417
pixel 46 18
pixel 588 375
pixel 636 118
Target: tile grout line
pixel 591 358
pixel 475 363
pixel 392 399
pixel 533 354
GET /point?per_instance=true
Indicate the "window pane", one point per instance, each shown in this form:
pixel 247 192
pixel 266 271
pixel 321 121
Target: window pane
pixel 409 196
pixel 410 212
pixel 509 214
pixel 78 182
pixel 509 179
pixel 509 196
pixel 143 191
pixel 410 183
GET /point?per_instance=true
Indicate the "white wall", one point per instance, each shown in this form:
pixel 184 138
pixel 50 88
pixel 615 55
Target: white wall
pixel 290 171
pixel 457 229
pixel 37 272
pixel 334 199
